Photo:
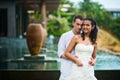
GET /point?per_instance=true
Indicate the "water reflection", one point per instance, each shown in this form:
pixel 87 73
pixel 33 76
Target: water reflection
pixel 106 61
pixel 12 52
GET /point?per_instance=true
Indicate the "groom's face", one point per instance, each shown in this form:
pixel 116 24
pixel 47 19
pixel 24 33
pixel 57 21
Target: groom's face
pixel 77 25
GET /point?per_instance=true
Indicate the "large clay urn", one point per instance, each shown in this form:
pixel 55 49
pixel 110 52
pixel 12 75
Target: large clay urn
pixel 35 37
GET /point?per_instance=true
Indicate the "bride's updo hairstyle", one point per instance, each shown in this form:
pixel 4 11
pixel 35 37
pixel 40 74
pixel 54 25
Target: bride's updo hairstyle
pixel 93 34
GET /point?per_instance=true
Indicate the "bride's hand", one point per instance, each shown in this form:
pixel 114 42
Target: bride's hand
pixel 92 62
pixel 78 62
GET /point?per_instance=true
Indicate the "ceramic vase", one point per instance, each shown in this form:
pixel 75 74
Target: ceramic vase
pixel 35 37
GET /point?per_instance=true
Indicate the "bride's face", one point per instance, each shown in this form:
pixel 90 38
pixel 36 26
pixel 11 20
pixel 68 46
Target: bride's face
pixel 87 26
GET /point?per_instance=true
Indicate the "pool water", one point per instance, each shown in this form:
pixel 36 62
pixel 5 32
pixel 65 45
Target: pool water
pixel 107 61
pixel 12 53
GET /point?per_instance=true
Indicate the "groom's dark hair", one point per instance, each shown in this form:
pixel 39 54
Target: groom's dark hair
pixel 78 17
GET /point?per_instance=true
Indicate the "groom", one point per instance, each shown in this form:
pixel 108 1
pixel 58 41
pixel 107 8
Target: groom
pixel 64 42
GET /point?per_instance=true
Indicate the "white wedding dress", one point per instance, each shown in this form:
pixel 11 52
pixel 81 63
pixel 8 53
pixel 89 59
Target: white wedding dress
pixel 85 72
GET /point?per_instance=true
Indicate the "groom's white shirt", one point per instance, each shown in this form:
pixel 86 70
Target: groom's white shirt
pixel 62 45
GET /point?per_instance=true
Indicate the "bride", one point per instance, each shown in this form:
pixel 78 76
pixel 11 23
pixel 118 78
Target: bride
pixel 85 52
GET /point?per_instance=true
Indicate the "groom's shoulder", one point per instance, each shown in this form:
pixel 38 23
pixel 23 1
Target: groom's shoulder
pixel 67 33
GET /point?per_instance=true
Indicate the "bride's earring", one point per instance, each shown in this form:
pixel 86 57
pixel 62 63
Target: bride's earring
pixel 81 31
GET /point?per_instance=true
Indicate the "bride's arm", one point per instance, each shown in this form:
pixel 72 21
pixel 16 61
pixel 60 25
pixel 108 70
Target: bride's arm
pixel 68 54
pixel 93 60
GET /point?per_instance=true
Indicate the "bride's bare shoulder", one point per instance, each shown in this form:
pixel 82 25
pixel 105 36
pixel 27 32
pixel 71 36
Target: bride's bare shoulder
pixel 77 37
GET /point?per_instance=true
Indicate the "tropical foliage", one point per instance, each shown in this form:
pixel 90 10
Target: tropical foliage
pixel 96 11
pixel 115 28
pixel 60 21
pixel 56 26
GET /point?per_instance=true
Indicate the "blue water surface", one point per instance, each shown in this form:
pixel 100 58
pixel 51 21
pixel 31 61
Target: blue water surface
pixel 13 50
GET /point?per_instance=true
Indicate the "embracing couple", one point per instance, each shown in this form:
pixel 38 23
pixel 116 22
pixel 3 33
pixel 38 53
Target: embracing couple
pixel 77 50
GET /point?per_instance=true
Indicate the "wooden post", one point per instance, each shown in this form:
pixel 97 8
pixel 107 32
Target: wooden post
pixel 43 11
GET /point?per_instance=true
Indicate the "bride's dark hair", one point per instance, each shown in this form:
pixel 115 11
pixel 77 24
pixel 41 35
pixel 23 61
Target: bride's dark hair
pixel 93 34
